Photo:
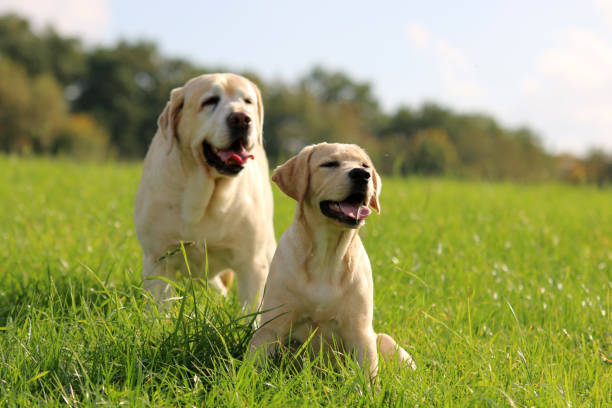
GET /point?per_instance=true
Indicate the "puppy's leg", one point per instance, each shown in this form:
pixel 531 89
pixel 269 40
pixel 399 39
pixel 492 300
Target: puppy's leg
pixel 158 289
pixel 363 345
pixel 268 338
pixel 389 349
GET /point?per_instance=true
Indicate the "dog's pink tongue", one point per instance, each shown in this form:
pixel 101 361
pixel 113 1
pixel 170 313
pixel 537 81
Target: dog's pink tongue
pixel 237 156
pixel 350 210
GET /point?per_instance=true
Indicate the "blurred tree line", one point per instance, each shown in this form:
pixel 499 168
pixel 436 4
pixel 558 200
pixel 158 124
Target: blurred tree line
pixel 59 98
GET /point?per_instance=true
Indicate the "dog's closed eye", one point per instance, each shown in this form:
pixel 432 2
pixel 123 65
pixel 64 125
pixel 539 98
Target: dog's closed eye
pixel 212 101
pixel 333 163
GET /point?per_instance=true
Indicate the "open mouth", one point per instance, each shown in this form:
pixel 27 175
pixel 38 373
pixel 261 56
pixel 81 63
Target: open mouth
pixel 227 161
pixel 350 211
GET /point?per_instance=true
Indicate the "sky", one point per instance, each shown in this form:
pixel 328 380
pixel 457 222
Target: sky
pixel 544 64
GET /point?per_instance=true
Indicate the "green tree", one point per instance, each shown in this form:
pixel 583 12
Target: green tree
pixel 598 167
pixel 432 153
pixel 33 110
pixel 336 88
pixel 48 112
pixel 14 104
pixel 82 137
pixel 117 92
pixel 48 52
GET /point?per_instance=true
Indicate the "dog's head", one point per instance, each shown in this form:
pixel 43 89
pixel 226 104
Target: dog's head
pixel 337 180
pixel 218 118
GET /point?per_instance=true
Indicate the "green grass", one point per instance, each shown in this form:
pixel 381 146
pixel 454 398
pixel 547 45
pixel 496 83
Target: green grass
pixel 501 293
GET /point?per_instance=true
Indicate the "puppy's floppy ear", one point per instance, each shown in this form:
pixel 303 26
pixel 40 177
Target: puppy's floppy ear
pixel 293 177
pixel 374 201
pixel 169 118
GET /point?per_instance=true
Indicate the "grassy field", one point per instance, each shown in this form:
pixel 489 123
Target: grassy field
pixel 501 293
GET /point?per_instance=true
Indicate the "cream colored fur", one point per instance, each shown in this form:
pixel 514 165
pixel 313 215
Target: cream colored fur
pixel 320 277
pixel 182 198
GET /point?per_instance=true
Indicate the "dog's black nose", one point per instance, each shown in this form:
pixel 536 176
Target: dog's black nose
pixel 359 175
pixel 238 121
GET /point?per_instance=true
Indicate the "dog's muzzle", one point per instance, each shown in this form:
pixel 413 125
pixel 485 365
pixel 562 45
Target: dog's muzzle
pixel 228 161
pixel 351 211
pixel 231 160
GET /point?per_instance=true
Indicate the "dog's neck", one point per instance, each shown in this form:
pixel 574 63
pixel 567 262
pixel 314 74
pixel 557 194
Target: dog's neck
pixel 329 244
pixel 197 194
pixel 201 184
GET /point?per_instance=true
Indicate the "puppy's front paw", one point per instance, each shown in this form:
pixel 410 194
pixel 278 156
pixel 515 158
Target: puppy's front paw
pixel 391 350
pixel 406 358
pixel 262 345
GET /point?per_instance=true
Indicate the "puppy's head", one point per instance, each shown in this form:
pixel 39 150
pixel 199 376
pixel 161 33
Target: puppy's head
pixel 337 180
pixel 218 118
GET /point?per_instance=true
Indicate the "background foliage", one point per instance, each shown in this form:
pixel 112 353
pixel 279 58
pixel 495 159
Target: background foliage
pixel 58 97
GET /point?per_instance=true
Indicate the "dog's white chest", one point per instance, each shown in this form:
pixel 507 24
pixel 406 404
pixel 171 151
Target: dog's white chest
pixel 322 303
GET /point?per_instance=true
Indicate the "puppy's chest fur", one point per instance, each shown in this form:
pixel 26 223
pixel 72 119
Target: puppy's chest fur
pixel 320 308
pixel 322 297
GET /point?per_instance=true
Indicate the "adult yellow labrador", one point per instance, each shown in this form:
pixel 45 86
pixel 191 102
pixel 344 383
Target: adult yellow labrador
pixel 206 181
pixel 320 277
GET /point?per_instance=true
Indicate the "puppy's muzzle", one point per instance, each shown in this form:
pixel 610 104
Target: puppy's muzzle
pixel 359 178
pixel 354 208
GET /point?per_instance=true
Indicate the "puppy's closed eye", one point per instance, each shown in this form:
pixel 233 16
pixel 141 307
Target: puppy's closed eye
pixel 333 163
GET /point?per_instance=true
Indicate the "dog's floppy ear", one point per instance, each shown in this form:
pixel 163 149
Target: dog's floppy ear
pixel 293 177
pixel 374 201
pixel 260 112
pixel 169 118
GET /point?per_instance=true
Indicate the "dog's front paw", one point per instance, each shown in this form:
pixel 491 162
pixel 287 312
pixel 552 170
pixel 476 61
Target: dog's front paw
pixel 390 350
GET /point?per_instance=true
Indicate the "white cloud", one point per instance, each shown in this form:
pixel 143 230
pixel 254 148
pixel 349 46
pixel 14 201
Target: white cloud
pixel 565 95
pixel 584 61
pixel 87 18
pixel 418 36
pixel 529 85
pixel 605 7
pixel 598 115
pixel 569 92
pixel 452 64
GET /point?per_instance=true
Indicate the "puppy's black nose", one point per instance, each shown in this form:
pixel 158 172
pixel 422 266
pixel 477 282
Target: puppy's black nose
pixel 238 121
pixel 359 175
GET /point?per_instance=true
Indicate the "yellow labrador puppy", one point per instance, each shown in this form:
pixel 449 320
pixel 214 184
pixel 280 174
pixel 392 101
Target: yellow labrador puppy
pixel 206 181
pixel 320 277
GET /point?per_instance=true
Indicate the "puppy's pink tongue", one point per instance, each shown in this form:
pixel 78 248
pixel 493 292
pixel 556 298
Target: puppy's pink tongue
pixel 350 210
pixel 235 156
